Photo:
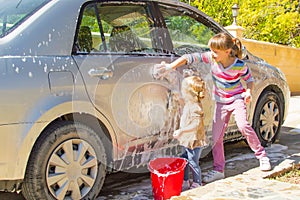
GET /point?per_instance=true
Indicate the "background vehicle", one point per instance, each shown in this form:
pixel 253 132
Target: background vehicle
pixel 78 98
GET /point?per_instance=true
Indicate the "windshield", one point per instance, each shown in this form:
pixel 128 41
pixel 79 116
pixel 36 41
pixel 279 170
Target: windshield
pixel 14 12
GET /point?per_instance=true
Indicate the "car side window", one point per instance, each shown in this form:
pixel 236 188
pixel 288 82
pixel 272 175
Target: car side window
pixel 88 34
pixel 187 33
pixel 126 28
pixel 115 28
pixel 13 13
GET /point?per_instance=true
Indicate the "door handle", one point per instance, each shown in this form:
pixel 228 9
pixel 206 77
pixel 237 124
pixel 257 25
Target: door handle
pixel 102 72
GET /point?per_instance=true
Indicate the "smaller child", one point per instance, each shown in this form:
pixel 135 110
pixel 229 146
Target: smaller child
pixel 191 134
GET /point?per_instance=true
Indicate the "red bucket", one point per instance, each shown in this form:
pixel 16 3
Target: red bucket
pixel 167 177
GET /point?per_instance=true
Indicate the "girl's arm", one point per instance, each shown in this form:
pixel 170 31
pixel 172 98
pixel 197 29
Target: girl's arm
pixel 250 86
pixel 177 63
pixel 188 59
pixel 247 94
pixel 160 69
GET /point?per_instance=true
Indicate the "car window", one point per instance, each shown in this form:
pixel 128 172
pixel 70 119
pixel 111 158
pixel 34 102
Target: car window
pixel 88 37
pixel 14 12
pixel 187 33
pixel 117 28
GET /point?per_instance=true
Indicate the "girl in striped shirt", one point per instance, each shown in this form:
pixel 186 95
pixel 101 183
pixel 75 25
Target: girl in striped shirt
pixel 227 71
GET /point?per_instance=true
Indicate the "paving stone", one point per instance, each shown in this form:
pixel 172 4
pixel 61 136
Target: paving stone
pixel 252 184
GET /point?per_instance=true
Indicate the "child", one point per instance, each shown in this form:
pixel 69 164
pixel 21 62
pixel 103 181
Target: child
pixel 227 70
pixel 191 134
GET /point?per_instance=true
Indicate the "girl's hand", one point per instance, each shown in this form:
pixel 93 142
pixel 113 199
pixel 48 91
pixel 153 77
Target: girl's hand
pixel 176 134
pixel 247 96
pixel 160 69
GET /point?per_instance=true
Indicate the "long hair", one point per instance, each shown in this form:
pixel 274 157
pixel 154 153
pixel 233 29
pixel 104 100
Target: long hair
pixel 223 41
pixel 195 86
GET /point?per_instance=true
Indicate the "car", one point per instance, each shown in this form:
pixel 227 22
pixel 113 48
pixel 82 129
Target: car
pixel 78 98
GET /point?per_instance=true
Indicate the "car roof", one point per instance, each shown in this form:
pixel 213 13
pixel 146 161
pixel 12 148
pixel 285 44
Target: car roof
pixel 37 34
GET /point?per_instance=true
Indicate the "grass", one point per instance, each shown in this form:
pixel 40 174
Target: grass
pixel 292 176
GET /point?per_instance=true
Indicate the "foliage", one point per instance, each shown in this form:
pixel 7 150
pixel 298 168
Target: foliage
pixel 292 176
pixel 220 11
pixel 270 20
pixel 189 30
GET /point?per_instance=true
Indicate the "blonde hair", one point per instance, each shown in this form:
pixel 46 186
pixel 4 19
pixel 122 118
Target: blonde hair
pixel 195 86
pixel 223 41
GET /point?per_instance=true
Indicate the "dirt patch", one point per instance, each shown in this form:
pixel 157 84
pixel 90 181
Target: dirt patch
pixel 292 176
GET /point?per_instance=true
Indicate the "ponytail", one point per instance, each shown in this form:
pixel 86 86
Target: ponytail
pixel 196 86
pixel 223 41
pixel 236 50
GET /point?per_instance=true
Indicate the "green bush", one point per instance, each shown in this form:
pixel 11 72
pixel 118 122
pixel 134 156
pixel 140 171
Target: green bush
pixel 270 20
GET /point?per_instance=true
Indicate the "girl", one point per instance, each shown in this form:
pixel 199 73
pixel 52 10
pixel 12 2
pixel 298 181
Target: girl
pixel 227 70
pixel 191 134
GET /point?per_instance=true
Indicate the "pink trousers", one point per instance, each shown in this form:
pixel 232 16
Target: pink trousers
pixel 220 123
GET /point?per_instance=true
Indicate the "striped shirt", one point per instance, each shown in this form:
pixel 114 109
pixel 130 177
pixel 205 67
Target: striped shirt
pixel 227 81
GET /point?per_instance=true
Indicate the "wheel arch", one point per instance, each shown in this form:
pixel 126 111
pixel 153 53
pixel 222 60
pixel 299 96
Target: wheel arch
pixel 268 134
pixel 92 122
pixel 99 127
pixel 65 112
pixel 279 92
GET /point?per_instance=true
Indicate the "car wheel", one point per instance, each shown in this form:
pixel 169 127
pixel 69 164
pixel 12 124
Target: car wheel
pixel 268 117
pixel 68 161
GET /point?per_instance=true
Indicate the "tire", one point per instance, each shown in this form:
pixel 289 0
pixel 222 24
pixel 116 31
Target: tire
pixel 53 170
pixel 268 117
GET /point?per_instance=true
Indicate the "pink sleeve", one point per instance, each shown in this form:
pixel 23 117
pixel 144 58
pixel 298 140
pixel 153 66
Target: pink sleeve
pixel 198 57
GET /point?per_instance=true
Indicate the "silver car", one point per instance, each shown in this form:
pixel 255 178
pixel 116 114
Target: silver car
pixel 78 99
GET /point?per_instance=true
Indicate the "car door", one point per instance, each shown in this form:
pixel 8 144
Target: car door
pixel 190 32
pixel 188 35
pixel 116 48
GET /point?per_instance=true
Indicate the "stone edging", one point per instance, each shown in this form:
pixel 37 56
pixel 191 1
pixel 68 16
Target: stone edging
pixel 287 165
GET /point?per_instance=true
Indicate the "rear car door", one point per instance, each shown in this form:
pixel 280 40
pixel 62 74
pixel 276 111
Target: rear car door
pixel 117 45
pixel 190 31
